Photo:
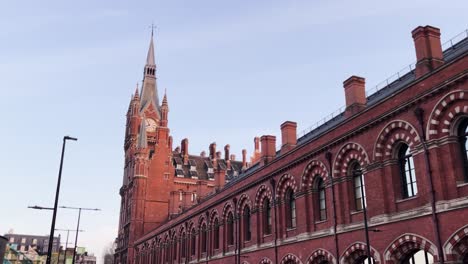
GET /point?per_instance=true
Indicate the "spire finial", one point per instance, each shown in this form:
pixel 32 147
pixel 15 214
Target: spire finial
pixel 164 101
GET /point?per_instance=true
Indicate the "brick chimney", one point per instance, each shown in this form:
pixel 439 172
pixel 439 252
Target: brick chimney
pixel 268 149
pixel 256 155
pixel 213 150
pixel 233 157
pixel 218 155
pixel 219 178
pixel 184 150
pixel 355 93
pixel 288 136
pixel 226 152
pixel 203 154
pixel 428 49
pixel 244 159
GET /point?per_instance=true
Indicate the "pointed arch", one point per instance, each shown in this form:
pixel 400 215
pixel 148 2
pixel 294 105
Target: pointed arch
pixel 286 181
pixel 392 133
pixel 358 250
pixel 348 152
pixel 288 258
pixel 228 207
pixel 262 192
pixel 214 214
pixel 244 200
pixel 405 243
pixel 456 247
pixel 453 104
pixel 319 256
pixel 313 168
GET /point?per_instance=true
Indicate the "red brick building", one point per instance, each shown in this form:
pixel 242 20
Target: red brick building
pixel 404 147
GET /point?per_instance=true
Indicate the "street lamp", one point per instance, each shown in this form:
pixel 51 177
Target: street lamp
pixel 78 224
pixel 52 227
pixel 66 243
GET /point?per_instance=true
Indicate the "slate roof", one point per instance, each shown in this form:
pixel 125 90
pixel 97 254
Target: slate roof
pixel 199 166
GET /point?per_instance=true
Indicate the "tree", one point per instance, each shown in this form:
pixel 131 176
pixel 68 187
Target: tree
pixel 109 252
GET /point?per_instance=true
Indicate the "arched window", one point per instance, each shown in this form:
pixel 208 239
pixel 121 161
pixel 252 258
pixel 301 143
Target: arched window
pixel 167 250
pixel 290 208
pixel 193 242
pixel 266 217
pixel 407 173
pixel 321 201
pixel 183 246
pixel 174 246
pixel 462 139
pixel 247 231
pixel 230 229
pixel 359 190
pixel 216 234
pixel 203 238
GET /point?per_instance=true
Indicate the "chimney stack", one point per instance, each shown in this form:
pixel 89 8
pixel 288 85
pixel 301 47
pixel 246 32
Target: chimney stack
pixel 355 93
pixel 184 150
pixel 256 155
pixel 233 157
pixel 244 159
pixel 268 149
pixel 212 150
pixel 428 49
pixel 203 154
pixel 177 149
pixel 218 155
pixel 288 136
pixel 226 152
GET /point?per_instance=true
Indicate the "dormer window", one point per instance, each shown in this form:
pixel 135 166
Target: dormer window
pixel 210 170
pixel 179 166
pixel 193 168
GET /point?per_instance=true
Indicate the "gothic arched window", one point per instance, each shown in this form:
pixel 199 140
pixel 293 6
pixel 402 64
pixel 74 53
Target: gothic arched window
pixel 356 172
pixel 290 208
pixel 203 238
pixel 266 217
pixel 230 229
pixel 247 231
pixel 193 241
pixel 321 201
pixel 174 246
pixel 462 139
pixel 183 246
pixel 216 234
pixel 407 173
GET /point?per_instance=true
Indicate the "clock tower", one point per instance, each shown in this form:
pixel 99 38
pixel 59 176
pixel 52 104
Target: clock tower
pixel 148 170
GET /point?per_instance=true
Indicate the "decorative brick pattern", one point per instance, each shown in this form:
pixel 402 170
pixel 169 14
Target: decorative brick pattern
pixel 407 244
pixel 456 246
pixel 262 192
pixel 265 261
pixel 290 259
pixel 244 200
pixel 394 132
pixel 226 209
pixel 445 111
pixel 349 151
pixel 312 169
pixel 321 256
pixel 213 215
pixel 286 181
pixel 357 251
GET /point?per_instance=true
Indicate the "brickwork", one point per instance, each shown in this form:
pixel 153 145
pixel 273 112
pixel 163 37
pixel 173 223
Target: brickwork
pixel 432 220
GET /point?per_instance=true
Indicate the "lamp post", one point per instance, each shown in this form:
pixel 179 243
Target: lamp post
pixel 66 243
pixel 78 224
pixel 54 215
pixel 364 209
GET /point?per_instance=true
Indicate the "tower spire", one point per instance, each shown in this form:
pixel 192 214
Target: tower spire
pixel 149 90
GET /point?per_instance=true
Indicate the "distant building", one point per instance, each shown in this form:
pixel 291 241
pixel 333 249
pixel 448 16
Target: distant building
pixel 40 244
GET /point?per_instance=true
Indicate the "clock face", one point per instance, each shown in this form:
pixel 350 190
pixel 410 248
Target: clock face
pixel 150 125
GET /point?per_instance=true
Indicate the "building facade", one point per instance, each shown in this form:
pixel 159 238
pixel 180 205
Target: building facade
pixel 397 157
pixel 40 244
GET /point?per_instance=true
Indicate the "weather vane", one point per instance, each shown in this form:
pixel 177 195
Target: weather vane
pixel 152 28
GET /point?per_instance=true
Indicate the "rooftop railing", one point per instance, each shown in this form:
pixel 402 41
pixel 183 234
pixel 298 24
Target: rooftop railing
pixel 385 83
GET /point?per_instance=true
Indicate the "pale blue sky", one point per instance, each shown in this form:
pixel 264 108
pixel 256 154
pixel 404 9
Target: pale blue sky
pixel 232 70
